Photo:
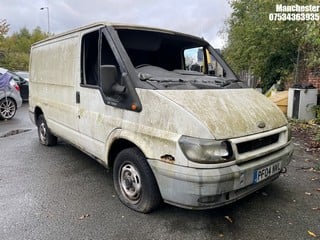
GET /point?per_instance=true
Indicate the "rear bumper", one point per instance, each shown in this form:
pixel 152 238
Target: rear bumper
pixel 196 188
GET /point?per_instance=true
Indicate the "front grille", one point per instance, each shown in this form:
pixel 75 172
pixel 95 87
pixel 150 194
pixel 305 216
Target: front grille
pixel 257 143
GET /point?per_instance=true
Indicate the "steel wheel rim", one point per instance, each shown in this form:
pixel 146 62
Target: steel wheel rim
pixel 130 183
pixel 7 109
pixel 43 132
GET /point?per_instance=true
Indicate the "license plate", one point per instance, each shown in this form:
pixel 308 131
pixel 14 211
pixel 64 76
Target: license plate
pixel 266 172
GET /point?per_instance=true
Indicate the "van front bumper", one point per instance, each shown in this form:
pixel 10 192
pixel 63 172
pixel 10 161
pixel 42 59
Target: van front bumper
pixel 196 188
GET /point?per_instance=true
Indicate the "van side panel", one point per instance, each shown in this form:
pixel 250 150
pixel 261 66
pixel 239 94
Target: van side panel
pixel 55 71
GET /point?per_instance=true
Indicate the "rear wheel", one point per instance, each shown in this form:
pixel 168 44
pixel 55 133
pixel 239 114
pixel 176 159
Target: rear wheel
pixel 134 181
pixel 45 136
pixel 8 108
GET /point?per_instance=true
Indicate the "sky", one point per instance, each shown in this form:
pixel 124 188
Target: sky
pixel 204 18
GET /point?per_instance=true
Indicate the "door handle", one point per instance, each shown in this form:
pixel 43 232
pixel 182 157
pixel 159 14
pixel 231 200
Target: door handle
pixel 77 97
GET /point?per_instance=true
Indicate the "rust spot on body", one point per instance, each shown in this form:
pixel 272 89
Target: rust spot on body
pixel 167 158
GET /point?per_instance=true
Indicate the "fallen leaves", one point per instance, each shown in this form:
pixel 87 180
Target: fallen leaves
pixel 229 219
pixel 312 234
pixel 305 169
pixel 84 216
pixel 307 135
pixel 314 169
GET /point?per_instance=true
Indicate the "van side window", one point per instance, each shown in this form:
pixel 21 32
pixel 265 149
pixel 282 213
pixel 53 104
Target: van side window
pixel 89 61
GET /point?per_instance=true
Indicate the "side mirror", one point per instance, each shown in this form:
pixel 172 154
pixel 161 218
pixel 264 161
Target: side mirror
pixel 118 89
pixel 109 80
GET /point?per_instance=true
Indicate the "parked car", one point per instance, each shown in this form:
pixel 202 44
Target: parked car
pixel 10 98
pixel 22 79
pixel 23 74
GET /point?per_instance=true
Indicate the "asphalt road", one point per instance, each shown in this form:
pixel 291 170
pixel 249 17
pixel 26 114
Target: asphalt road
pixel 60 193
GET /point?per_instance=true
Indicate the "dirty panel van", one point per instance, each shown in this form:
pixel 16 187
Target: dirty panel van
pixel 160 108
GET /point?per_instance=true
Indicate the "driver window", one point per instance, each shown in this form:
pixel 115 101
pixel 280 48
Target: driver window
pixel 93 57
pixel 111 69
pixel 89 63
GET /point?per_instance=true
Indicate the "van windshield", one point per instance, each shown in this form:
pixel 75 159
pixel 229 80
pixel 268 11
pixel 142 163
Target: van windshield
pixel 169 60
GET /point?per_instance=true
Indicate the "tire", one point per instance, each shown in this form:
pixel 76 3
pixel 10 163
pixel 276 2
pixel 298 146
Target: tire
pixel 134 181
pixel 45 136
pixel 8 108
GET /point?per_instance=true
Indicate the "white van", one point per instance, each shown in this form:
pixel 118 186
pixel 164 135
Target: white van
pixel 124 95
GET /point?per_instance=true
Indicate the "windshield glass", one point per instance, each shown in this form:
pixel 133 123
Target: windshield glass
pixel 167 60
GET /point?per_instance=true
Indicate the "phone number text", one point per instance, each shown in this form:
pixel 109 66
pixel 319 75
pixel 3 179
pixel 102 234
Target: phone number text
pixel 294 17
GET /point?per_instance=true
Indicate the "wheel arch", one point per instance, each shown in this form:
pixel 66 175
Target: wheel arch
pixel 117 146
pixel 9 97
pixel 37 112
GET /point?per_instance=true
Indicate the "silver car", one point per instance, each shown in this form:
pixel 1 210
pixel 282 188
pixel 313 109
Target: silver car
pixel 10 99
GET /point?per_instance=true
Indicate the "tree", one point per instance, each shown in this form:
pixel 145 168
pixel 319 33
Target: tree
pixel 311 44
pixel 16 48
pixel 266 48
pixel 4 27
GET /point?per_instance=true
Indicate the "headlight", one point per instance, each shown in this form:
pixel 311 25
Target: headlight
pixel 205 150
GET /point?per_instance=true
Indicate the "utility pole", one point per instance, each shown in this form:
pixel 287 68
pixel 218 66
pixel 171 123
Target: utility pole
pixel 48 15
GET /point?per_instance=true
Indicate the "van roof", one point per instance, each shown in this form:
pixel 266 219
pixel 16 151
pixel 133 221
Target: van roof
pixel 116 26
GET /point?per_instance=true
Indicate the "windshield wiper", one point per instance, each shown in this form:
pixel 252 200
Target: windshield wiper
pixel 149 77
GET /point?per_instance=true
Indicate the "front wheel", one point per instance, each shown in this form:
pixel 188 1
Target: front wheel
pixel 45 136
pixel 8 108
pixel 134 181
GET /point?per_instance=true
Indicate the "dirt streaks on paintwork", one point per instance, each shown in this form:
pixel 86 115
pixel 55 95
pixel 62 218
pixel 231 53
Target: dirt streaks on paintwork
pixel 230 113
